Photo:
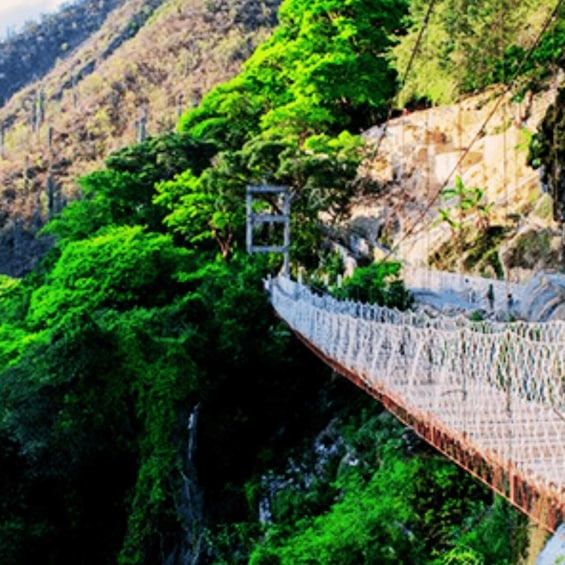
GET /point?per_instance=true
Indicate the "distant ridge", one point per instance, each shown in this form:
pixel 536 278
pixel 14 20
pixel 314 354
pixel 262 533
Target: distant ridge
pixel 146 62
pixel 29 54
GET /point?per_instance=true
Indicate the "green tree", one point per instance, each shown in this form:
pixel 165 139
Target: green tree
pixel 465 47
pixel 207 209
pixel 122 193
pixel 335 66
pixel 379 283
pixel 119 269
pixel 228 115
pixel 323 70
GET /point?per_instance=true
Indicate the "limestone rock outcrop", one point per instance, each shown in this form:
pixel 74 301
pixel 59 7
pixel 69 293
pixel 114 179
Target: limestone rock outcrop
pixel 543 297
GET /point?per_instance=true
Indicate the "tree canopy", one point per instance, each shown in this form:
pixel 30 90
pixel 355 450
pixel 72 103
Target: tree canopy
pixel 150 400
pixel 465 46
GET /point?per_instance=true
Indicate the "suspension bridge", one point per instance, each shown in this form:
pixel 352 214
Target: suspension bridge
pixel 488 395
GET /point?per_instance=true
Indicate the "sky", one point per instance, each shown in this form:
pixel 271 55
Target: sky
pixel 15 13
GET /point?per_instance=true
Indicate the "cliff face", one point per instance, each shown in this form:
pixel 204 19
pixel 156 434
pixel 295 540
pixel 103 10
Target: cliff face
pixel 431 164
pixel 144 63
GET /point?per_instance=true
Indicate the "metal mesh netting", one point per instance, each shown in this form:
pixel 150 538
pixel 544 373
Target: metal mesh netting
pixel 498 387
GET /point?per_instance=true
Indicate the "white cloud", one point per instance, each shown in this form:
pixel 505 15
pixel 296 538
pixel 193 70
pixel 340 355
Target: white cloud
pixel 42 6
pixel 15 13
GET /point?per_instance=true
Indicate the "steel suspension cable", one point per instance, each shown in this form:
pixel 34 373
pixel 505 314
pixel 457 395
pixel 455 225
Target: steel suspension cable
pixel 414 52
pixel 479 132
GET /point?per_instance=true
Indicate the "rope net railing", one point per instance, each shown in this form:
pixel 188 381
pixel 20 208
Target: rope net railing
pixel 550 332
pixel 496 387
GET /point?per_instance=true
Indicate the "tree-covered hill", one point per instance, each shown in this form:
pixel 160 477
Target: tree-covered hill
pixel 147 61
pixel 153 410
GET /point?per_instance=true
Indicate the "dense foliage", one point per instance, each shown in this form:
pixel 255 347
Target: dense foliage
pixel 379 283
pixel 464 46
pixel 153 408
pixel 389 500
pixel 293 117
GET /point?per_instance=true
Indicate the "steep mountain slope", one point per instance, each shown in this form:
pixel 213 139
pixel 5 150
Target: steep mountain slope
pixel 108 94
pixel 34 51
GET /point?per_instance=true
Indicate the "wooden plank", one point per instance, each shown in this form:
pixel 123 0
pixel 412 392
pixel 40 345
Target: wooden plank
pixel 265 189
pixel 266 218
pixel 269 249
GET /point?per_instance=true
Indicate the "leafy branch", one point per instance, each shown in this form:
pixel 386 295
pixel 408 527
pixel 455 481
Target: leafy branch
pixel 469 202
